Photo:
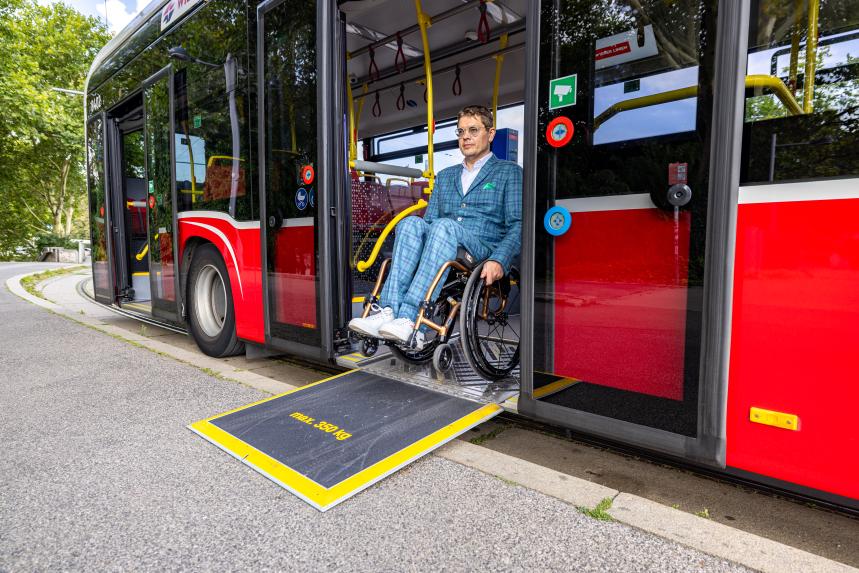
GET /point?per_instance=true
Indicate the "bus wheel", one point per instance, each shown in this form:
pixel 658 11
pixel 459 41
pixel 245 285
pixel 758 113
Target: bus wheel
pixel 211 315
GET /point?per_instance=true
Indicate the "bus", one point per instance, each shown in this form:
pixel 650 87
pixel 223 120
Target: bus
pixel 688 282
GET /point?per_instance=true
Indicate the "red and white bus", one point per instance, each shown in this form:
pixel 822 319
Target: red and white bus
pixel 690 265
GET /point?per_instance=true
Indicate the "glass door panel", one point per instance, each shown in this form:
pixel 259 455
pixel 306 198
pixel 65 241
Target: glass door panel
pixel 290 227
pixel 100 228
pixel 622 178
pixel 159 198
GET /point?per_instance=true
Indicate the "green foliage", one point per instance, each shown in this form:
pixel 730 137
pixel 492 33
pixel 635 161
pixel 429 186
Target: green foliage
pixel 599 512
pixel 42 180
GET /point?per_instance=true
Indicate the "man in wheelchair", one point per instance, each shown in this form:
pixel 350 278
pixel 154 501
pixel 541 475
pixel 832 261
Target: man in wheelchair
pixel 476 206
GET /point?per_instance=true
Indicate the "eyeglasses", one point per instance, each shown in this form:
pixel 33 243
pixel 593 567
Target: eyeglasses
pixel 472 131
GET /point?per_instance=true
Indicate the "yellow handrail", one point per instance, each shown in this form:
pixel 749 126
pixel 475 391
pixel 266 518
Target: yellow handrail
pixel 499 61
pixel 779 89
pixel 353 144
pixel 755 81
pixel 364 265
pixel 425 22
pixel 139 256
pixel 214 157
pixel 810 57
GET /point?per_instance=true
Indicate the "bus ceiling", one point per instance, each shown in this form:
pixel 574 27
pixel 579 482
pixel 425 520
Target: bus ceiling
pixel 477 50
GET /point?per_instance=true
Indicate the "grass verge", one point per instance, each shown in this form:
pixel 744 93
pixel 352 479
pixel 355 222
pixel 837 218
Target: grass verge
pixel 31 282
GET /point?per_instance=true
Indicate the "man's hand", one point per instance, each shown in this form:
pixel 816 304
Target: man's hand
pixel 492 271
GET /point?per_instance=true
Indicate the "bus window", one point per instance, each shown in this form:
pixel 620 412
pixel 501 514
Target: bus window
pixel 645 76
pixel 210 142
pixel 802 97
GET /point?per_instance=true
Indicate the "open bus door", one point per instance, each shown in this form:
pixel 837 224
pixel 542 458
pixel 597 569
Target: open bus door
pixel 294 59
pixel 629 204
pixel 328 440
pixel 101 235
pixel 161 204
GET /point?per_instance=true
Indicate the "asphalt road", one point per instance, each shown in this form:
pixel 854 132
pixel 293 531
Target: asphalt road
pixel 98 472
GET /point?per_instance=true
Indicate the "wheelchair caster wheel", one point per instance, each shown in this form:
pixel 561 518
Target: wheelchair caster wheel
pixel 442 357
pixel 369 347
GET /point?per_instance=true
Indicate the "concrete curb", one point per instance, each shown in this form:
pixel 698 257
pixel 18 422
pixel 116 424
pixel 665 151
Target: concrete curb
pixel 692 531
pixel 15 287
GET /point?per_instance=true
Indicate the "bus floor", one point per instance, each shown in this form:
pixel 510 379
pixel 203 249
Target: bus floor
pixel 460 380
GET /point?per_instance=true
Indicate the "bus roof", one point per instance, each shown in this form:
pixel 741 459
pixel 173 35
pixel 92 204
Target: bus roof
pixel 119 39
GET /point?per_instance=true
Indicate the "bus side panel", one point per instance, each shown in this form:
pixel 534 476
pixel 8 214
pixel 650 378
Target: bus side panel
pixel 295 279
pixel 794 342
pixel 239 245
pixel 630 267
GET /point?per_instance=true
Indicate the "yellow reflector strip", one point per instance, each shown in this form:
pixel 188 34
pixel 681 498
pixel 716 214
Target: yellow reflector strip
pixel 357 299
pixel 772 418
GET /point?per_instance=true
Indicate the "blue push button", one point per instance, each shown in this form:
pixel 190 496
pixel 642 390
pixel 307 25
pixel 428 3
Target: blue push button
pixel 557 221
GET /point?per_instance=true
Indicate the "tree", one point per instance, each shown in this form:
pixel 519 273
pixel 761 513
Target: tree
pixel 42 179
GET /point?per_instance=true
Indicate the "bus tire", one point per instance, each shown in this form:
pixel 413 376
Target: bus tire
pixel 211 314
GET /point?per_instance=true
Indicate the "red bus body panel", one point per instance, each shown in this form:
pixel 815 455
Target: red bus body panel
pixel 239 245
pixel 295 279
pixel 620 300
pixel 795 343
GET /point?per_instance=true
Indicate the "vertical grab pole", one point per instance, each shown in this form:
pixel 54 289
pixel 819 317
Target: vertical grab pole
pixel 353 144
pixel 425 22
pixel 794 45
pixel 810 57
pixel 499 61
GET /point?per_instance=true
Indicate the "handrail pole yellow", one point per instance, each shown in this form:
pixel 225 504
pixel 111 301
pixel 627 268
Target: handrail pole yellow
pixel 499 61
pixel 353 144
pixel 775 84
pixel 810 57
pixel 425 22
pixel 358 123
pixel 794 45
pixel 779 89
pixel 364 265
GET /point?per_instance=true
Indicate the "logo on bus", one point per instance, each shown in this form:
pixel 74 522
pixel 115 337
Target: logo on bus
pixel 167 14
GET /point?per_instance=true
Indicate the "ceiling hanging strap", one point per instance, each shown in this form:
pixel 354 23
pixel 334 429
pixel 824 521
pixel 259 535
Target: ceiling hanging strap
pixel 400 58
pixel 457 83
pixel 373 71
pixel 377 107
pixel 401 101
pixel 483 24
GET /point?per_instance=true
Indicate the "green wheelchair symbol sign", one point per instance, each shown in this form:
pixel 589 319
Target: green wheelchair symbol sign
pixel 562 92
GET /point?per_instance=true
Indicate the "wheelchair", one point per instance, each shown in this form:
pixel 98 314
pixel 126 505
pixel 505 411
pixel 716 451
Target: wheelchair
pixel 489 327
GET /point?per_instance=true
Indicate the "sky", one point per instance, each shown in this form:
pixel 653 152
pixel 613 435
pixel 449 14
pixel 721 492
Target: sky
pixel 117 13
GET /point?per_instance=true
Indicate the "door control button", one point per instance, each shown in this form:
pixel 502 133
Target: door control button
pixel 557 221
pixel 679 195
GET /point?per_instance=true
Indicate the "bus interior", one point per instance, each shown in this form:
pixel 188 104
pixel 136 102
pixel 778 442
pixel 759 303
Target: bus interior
pixel 477 55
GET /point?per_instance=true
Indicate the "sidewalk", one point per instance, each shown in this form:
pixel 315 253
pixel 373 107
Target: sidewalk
pixel 527 498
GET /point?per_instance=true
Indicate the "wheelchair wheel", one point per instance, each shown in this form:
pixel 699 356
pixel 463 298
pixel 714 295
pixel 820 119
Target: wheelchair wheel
pixel 490 324
pixel 442 357
pixel 425 354
pixel 421 356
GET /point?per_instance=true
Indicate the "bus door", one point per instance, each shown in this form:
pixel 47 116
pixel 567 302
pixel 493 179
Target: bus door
pixel 623 171
pixel 101 239
pixel 293 181
pixel 161 195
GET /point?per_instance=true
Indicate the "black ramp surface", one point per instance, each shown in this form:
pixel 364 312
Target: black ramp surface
pixel 374 418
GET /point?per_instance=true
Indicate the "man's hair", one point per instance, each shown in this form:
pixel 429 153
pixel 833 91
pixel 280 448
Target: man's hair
pixel 478 111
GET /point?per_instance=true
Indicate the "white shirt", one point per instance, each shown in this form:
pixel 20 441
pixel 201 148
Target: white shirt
pixel 468 175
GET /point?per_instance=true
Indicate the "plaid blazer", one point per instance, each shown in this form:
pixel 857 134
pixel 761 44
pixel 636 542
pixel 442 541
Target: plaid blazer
pixel 491 211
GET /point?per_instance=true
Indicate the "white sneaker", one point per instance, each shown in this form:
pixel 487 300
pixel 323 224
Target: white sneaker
pixel 400 330
pixel 370 326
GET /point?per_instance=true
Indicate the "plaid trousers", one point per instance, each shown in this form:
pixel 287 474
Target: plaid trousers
pixel 420 249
